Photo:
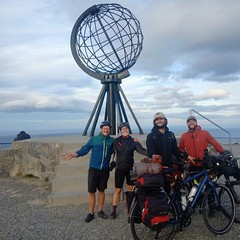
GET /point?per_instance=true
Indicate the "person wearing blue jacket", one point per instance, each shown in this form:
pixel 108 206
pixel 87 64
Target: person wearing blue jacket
pixel 101 147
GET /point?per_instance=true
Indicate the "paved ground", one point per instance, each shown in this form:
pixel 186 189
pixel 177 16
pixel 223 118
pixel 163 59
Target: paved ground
pixel 25 216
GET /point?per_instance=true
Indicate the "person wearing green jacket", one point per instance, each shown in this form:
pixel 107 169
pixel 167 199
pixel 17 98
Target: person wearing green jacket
pixel 101 147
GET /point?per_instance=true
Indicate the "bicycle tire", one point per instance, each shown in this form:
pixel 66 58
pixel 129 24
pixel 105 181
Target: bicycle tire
pixel 224 212
pixel 237 202
pixel 140 231
pixel 235 190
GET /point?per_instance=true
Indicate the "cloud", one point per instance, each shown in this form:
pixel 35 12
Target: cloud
pixel 196 34
pixel 215 94
pixel 42 102
pixel 190 59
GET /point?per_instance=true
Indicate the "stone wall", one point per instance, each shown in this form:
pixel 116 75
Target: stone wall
pixel 43 158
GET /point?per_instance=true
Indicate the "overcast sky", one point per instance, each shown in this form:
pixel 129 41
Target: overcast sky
pixel 190 60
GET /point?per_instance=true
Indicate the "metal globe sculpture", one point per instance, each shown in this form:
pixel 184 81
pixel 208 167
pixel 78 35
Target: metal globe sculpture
pixel 106 41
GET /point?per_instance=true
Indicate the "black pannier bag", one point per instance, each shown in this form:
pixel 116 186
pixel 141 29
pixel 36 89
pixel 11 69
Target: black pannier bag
pixel 236 167
pixel 228 166
pixel 209 162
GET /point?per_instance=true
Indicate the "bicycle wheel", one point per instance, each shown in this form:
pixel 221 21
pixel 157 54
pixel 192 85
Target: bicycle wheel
pixel 236 194
pixel 140 231
pixel 237 203
pixel 220 219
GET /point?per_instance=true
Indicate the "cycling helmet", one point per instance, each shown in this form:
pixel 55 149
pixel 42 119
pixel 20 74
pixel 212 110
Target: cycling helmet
pixel 124 124
pixel 105 123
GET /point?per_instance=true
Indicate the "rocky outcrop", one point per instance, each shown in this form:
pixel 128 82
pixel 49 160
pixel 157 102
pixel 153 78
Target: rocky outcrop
pixel 39 159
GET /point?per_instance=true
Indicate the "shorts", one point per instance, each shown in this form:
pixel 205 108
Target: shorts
pixel 120 175
pixel 97 180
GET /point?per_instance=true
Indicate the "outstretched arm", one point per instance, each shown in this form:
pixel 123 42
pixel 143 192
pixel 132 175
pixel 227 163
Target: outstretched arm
pixel 70 156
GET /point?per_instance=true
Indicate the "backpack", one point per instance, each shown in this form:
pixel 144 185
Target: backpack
pixel 155 208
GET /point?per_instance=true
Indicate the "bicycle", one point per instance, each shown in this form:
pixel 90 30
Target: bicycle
pixel 228 168
pixel 180 216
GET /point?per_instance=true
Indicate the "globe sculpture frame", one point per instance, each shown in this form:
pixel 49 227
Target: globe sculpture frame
pixel 106 41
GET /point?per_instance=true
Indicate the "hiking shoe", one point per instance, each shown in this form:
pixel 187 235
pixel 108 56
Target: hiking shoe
pixel 89 217
pixel 113 215
pixel 101 214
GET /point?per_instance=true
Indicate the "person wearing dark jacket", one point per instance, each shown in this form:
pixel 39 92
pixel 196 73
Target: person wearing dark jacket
pixel 124 147
pixel 98 173
pixel 161 141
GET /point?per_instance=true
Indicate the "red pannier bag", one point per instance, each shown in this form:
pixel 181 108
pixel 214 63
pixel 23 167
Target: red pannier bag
pixel 155 213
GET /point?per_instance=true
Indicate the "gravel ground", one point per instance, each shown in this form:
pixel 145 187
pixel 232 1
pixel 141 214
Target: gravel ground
pixel 24 215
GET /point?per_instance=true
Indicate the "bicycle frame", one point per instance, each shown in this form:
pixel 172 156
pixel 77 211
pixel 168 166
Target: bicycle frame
pixel 181 217
pixel 205 181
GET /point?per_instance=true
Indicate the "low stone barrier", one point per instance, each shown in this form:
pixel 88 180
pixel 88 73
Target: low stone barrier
pixel 43 158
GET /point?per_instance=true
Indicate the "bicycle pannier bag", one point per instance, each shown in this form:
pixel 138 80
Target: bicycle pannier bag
pixel 155 210
pixel 150 180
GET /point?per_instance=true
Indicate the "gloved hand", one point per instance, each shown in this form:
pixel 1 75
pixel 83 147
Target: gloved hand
pixel 112 165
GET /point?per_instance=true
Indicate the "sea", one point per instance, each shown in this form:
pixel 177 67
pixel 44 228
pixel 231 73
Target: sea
pixel 226 136
pixel 7 138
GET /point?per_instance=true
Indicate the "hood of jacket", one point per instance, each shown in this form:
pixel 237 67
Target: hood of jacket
pixel 197 128
pixel 155 130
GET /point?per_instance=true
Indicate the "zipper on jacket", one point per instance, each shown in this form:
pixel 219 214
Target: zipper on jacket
pixel 104 153
pixel 195 153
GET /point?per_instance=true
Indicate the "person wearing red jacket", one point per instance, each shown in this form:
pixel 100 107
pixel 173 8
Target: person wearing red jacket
pixel 195 141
